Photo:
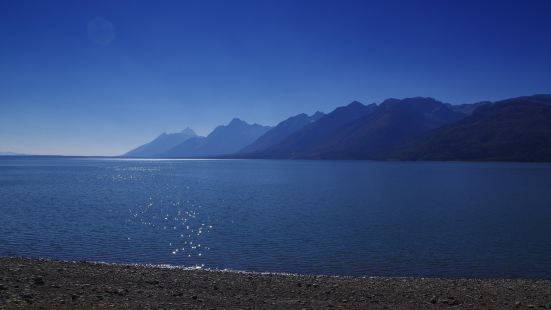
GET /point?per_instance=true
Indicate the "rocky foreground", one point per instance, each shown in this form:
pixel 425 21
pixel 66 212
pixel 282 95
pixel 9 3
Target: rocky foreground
pixel 30 284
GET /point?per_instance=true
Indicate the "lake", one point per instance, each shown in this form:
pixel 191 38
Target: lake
pixel 366 218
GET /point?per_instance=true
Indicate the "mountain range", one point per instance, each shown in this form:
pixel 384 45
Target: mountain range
pixel 419 128
pixel 517 129
pixel 223 140
pixel 162 143
pixel 280 132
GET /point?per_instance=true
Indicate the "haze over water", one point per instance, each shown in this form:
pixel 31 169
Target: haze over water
pixel 311 217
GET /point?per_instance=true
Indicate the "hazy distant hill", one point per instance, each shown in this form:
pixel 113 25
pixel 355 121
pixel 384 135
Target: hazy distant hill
pixel 280 132
pixel 162 144
pixel 517 129
pixel 306 140
pixel 222 140
pixel 10 154
pixel 466 108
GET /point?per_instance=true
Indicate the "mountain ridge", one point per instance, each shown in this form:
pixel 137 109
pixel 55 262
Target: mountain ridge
pixel 223 140
pixel 415 128
pixel 516 129
pixel 311 135
pixel 281 131
pixel 162 143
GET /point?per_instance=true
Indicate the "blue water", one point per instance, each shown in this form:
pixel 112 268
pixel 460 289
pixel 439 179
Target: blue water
pixel 310 217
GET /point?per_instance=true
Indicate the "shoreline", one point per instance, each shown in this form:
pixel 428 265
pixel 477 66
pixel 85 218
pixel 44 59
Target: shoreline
pixel 273 273
pixel 42 283
pixel 229 158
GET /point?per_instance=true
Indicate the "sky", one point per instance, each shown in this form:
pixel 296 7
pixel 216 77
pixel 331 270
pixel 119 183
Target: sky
pixel 101 77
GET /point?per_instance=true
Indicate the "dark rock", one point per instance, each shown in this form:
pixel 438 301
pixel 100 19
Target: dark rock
pixel 39 281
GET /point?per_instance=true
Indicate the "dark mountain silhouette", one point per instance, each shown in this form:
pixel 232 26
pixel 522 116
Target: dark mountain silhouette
pixel 305 141
pixel 222 140
pixel 517 129
pixel 392 124
pixel 161 144
pixel 365 132
pixel 280 132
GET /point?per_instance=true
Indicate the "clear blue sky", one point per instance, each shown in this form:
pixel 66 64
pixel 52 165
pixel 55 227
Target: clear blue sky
pixel 100 77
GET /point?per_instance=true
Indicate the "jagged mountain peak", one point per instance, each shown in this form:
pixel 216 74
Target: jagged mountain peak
pixel 355 103
pixel 237 121
pixel 188 131
pixel 317 115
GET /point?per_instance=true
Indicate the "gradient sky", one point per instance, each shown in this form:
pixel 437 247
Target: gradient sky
pixel 100 77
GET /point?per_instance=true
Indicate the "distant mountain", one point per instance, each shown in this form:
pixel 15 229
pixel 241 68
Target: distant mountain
pixel 305 141
pixel 162 144
pixel 392 124
pixel 420 128
pixel 223 140
pixel 517 129
pixel 280 132
pixel 466 108
pixel 10 154
pixel 357 131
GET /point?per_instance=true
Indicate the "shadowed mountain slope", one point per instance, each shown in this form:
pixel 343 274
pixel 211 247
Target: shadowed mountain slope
pixel 466 108
pixel 517 129
pixel 365 132
pixel 394 123
pixel 280 132
pixel 305 141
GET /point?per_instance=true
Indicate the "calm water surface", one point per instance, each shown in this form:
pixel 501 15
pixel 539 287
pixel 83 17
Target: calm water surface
pixel 313 217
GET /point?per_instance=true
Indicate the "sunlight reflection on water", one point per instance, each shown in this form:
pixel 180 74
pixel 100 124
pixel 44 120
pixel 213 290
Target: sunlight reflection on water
pixel 326 217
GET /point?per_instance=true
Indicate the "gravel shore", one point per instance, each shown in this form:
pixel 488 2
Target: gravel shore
pixel 47 284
